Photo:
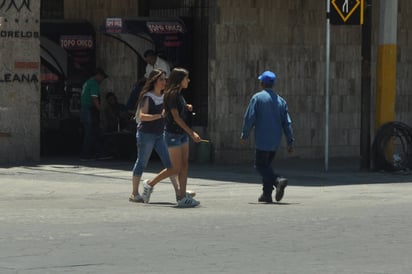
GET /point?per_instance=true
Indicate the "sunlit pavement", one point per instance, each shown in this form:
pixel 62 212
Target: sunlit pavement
pixel 63 216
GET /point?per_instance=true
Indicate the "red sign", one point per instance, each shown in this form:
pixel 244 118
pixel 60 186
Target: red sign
pixel 165 27
pixel 76 42
pixel 114 25
pixel 26 65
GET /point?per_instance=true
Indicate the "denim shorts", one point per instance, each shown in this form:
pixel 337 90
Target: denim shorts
pixel 175 139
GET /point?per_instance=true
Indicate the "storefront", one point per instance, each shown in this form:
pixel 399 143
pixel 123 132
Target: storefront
pixel 68 57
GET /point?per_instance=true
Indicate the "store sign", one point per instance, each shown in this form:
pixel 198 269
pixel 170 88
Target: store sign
pixel 165 27
pixel 114 25
pixel 76 42
pixel 18 34
pixel 17 77
pixel 26 65
pixel 18 31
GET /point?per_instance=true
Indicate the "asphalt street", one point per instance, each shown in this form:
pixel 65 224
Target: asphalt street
pixel 64 216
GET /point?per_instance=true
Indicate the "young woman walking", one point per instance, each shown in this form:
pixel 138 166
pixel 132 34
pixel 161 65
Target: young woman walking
pixel 150 132
pixel 177 135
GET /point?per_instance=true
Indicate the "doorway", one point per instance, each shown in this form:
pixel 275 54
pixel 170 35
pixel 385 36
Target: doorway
pixel 195 14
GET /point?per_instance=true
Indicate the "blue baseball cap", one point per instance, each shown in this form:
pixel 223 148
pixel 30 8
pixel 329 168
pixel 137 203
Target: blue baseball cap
pixel 267 77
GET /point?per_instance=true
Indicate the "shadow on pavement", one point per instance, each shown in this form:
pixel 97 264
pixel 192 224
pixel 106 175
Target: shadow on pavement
pixel 300 172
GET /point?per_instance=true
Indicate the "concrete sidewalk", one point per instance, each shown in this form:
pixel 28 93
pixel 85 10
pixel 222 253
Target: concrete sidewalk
pixel 63 216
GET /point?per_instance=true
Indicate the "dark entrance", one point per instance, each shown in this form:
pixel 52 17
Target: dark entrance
pixel 195 15
pixel 67 59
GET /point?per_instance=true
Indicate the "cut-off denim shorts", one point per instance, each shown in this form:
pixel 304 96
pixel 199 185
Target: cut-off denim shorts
pixel 175 140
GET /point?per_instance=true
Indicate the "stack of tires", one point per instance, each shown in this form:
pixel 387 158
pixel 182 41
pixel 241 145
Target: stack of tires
pixel 392 147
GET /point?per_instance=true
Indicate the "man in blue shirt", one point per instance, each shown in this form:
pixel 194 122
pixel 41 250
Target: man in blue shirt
pixel 268 114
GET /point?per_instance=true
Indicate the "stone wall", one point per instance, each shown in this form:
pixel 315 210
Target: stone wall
pixel 19 81
pixel 403 108
pixel 288 37
pixel 245 38
pixel 117 59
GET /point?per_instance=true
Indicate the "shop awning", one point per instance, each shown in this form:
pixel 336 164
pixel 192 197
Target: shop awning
pixel 54 55
pixel 67 47
pixel 164 35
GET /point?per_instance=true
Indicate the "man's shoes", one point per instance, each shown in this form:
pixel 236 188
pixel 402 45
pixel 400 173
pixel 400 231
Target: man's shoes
pixel 187 201
pixel 136 198
pixel 280 188
pixel 147 191
pixel 265 198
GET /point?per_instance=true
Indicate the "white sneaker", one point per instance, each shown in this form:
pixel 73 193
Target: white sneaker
pixel 187 201
pixel 136 198
pixel 191 193
pixel 147 191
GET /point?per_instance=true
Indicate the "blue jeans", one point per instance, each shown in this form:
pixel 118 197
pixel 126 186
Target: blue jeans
pixel 263 165
pixel 146 142
pixel 91 132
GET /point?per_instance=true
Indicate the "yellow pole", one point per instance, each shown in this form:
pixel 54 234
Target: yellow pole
pixel 386 65
pixel 386 68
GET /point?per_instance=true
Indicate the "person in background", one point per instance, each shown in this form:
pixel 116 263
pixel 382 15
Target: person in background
pixel 155 62
pixel 177 134
pixel 131 103
pixel 152 62
pixel 92 147
pixel 115 117
pixel 119 129
pixel 268 114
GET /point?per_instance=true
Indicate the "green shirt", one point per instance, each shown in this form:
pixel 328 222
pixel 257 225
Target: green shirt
pixel 90 89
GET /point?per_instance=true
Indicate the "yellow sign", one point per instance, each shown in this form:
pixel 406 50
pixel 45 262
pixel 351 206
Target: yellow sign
pixel 348 12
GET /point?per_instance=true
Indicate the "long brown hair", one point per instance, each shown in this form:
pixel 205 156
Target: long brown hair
pixel 150 82
pixel 173 84
pixel 148 86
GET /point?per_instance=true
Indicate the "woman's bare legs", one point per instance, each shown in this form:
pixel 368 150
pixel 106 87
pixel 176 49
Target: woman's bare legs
pixel 135 182
pixel 175 183
pixel 135 196
pixel 167 172
pixel 184 169
pixel 179 157
pixel 175 158
pixel 148 186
